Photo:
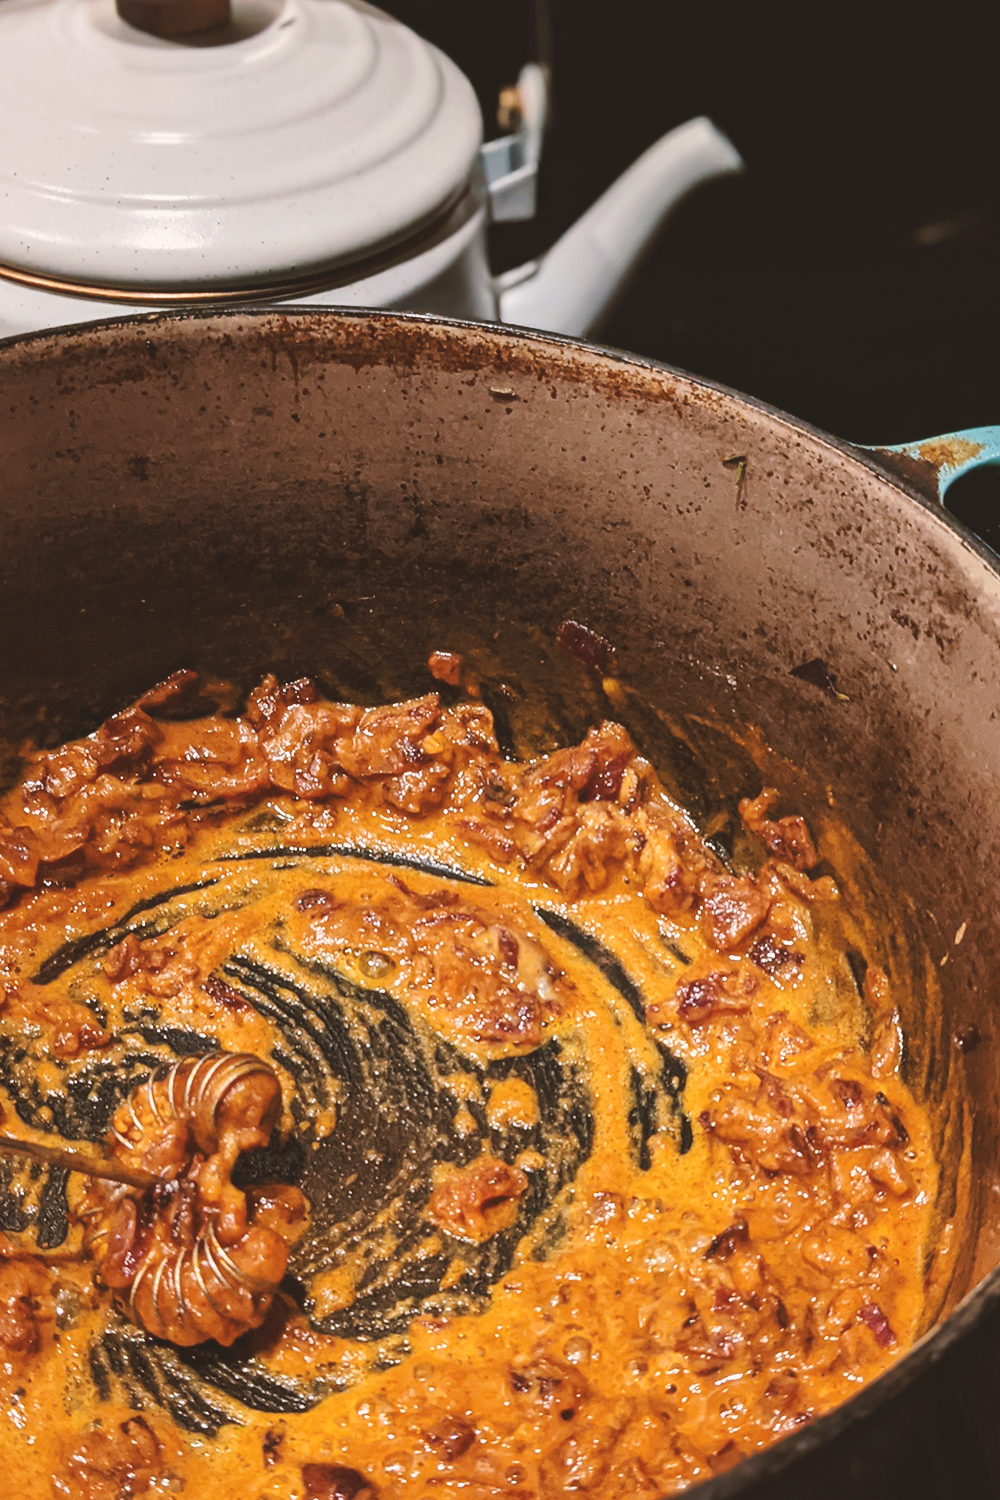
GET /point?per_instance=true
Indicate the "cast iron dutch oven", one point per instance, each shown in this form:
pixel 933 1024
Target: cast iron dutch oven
pixel 338 494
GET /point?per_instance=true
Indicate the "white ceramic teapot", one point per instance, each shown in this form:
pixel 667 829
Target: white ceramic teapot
pixel 173 153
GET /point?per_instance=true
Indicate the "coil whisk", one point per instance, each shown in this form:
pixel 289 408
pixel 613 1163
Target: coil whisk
pixel 193 1256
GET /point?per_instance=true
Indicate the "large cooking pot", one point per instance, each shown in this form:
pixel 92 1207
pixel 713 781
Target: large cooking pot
pixel 339 493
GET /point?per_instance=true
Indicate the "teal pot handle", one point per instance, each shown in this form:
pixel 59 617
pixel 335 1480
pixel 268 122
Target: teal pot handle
pixel 932 465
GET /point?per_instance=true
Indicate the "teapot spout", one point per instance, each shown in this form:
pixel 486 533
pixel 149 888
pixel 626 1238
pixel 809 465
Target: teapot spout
pixel 570 289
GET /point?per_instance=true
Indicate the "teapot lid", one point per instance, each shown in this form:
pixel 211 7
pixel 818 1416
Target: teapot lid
pixel 302 136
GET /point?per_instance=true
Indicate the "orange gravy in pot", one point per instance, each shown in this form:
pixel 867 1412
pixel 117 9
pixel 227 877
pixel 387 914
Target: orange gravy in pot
pixel 612 1177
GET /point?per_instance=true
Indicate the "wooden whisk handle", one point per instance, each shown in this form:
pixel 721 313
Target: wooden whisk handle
pixel 79 1161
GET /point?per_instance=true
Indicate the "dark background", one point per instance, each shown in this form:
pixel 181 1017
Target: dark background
pixel 852 276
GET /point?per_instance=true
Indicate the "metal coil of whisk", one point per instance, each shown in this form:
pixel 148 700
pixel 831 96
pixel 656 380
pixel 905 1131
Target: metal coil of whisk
pixel 205 1082
pixel 199 1258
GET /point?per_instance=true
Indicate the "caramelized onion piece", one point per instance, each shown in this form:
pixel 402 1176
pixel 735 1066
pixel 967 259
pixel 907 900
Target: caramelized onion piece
pixel 335 1482
pixel 479 1201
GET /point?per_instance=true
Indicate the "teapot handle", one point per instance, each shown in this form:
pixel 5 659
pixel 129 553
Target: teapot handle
pixel 932 465
pixel 510 164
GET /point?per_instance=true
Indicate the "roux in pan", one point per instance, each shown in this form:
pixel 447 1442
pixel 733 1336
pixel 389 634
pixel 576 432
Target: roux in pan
pixel 464 1126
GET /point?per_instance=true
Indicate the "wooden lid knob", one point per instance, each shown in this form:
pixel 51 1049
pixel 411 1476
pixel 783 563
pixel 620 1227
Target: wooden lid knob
pixel 169 18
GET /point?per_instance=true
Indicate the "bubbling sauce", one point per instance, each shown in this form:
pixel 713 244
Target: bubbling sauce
pixel 572 1159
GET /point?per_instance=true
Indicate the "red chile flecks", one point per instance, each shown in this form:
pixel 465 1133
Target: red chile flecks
pixel 224 994
pixel 728 1242
pixel 774 957
pixel 874 1319
pixel 606 781
pixel 334 1482
pixel 585 646
pixel 315 900
pixel 508 946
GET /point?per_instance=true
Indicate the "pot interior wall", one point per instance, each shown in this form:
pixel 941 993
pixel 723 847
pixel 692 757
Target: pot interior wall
pixel 337 495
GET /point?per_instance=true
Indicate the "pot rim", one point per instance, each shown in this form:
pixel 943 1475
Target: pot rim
pixel 983 1298
pixel 868 457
